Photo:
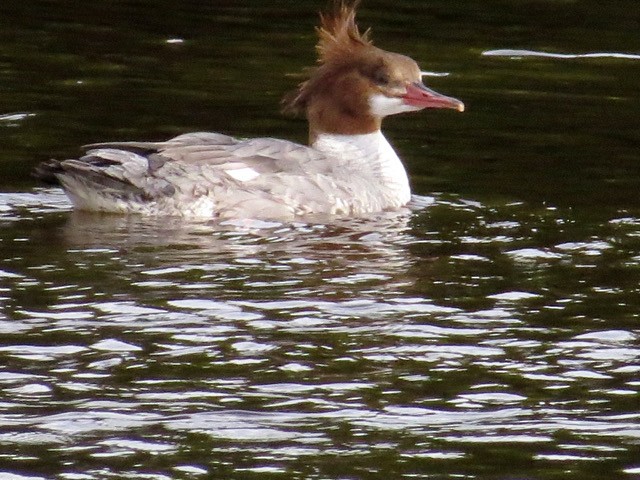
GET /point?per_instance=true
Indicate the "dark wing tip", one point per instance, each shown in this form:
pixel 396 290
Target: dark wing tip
pixel 47 172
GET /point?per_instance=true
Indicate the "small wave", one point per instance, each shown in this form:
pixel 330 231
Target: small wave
pixel 15 117
pixel 532 53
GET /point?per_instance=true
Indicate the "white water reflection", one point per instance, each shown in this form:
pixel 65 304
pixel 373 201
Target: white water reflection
pixel 515 53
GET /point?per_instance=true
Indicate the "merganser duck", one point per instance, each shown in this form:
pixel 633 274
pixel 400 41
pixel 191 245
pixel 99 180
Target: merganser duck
pixel 349 169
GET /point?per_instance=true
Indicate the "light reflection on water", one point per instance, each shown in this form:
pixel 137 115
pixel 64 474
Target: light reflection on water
pixel 562 56
pixel 439 341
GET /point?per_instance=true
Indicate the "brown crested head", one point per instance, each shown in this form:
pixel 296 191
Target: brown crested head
pixel 355 83
pixel 340 44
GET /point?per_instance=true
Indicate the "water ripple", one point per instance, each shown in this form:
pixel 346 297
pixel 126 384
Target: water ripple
pixel 514 53
pixel 433 335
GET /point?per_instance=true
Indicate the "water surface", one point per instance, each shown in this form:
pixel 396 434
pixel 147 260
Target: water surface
pixel 489 332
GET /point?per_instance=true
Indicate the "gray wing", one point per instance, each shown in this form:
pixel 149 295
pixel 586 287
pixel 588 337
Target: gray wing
pixel 216 151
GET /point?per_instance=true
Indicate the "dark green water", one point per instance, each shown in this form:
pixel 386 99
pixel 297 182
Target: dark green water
pixel 490 333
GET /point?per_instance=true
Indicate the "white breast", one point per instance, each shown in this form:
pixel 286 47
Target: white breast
pixel 370 155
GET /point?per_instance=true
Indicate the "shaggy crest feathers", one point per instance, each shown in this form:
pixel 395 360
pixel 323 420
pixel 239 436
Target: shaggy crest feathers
pixel 338 33
pixel 339 41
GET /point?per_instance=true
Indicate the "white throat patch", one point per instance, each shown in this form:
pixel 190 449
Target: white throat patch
pixel 381 105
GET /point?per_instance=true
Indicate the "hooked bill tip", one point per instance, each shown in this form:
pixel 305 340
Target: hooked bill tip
pixel 460 107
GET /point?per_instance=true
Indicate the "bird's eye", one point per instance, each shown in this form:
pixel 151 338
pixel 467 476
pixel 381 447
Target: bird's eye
pixel 381 78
